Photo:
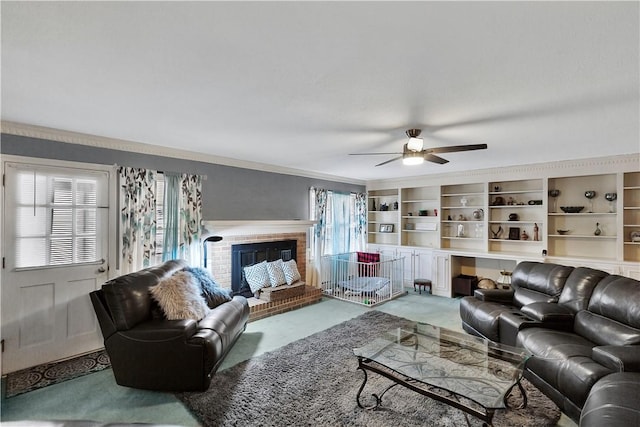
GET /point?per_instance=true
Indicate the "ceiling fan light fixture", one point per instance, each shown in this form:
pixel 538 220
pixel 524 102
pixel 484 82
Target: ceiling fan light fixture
pixel 415 144
pixel 413 160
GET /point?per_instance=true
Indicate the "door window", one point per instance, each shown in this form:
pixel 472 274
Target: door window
pixel 60 215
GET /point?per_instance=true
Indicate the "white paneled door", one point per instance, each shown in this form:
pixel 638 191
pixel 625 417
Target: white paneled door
pixel 55 251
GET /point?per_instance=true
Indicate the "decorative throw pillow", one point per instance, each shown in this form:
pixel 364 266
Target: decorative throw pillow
pixel 368 258
pixel 276 274
pixel 179 297
pixel 257 276
pixel 291 272
pixel 213 294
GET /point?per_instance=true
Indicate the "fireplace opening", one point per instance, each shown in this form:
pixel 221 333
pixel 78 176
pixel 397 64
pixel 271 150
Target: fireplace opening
pixel 243 255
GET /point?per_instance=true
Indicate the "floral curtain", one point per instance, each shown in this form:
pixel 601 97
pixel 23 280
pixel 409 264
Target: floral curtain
pixel 318 199
pixel 361 221
pixel 137 218
pixel 183 217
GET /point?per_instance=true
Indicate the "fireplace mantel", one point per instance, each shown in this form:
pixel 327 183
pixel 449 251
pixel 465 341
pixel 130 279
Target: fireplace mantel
pixel 227 228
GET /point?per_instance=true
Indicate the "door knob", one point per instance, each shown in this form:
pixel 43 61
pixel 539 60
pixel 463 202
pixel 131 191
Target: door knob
pixel 101 270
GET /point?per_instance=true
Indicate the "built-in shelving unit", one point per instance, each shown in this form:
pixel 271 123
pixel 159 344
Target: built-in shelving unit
pixel 516 216
pixel 420 216
pixel 463 238
pixel 631 216
pixel 463 223
pixel 519 218
pixel 593 230
pixel 382 215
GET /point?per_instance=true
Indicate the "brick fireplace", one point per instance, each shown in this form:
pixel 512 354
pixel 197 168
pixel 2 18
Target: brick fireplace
pixel 242 232
pixel 219 253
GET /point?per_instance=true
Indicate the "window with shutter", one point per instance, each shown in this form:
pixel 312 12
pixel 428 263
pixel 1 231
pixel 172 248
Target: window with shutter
pixel 58 216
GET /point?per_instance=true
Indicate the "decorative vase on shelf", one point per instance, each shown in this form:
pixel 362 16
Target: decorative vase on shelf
pixel 464 201
pixel 554 195
pixel 611 198
pixel 590 194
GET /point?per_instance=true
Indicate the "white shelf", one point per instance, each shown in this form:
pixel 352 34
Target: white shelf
pixel 497 193
pixel 583 214
pixel 479 193
pixel 463 207
pixel 506 221
pixel 582 236
pixel 462 238
pixel 421 201
pixel 514 206
pixel 515 241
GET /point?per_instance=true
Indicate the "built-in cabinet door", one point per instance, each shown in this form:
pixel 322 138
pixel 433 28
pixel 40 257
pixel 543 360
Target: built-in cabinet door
pixel 441 277
pixel 422 264
pixel 407 255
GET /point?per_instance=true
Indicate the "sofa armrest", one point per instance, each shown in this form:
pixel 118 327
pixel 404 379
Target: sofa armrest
pixel 494 295
pixel 161 330
pixel 548 312
pixel 617 357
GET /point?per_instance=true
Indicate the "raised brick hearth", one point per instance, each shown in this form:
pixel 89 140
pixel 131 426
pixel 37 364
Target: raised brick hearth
pixel 219 264
pixel 219 253
pixel 260 309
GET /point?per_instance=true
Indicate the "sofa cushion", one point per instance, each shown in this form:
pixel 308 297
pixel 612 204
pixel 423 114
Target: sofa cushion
pixel 538 282
pixel 549 312
pixel 563 360
pixel 617 298
pixel 579 287
pixel 180 297
pixel 483 317
pixel 604 331
pixel 613 402
pixel 127 298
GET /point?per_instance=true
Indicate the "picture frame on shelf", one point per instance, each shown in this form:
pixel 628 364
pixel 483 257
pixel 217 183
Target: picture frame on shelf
pixel 386 228
pixel 514 233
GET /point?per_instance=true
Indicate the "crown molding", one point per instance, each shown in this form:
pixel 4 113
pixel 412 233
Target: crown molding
pixel 41 132
pixel 587 166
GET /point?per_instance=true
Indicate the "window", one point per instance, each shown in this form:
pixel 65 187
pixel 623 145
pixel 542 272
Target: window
pixel 60 215
pixel 340 227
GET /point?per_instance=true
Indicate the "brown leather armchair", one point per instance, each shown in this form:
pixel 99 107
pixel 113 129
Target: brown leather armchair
pixel 150 352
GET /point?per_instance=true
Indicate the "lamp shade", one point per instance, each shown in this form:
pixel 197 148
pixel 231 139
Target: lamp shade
pixel 413 160
pixel 415 144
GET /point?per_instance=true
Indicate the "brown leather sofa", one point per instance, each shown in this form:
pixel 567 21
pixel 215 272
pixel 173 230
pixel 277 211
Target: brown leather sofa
pixel 586 330
pixel 148 351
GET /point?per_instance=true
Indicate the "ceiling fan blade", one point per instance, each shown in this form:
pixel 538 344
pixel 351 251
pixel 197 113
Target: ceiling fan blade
pixel 389 161
pixel 371 154
pixel 454 148
pixel 435 159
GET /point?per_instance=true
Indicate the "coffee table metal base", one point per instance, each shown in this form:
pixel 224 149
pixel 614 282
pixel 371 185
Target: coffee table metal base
pixel 451 399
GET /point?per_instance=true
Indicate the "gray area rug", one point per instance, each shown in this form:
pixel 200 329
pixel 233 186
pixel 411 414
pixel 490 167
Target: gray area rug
pixel 314 381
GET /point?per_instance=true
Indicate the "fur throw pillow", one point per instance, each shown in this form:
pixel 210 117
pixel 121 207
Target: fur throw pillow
pixel 213 294
pixel 179 297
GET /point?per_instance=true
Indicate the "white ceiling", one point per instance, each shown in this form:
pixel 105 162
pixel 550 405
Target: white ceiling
pixel 303 84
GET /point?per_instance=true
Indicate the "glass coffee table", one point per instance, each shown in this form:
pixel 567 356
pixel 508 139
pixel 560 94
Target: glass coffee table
pixel 469 373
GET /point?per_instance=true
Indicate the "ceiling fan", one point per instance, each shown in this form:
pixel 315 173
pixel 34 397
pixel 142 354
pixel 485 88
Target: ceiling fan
pixel 414 153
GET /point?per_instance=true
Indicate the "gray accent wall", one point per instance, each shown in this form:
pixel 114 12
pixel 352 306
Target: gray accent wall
pixel 228 193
